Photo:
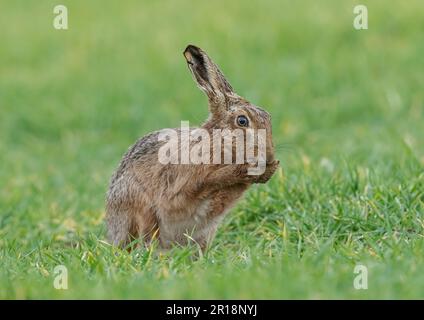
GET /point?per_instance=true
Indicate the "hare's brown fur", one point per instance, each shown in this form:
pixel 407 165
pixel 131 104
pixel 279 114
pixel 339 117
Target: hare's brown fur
pixel 175 203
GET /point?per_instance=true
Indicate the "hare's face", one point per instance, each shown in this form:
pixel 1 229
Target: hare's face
pixel 227 109
pixel 246 116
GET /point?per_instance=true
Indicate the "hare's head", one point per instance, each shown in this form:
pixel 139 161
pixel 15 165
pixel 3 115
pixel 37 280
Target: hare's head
pixel 227 109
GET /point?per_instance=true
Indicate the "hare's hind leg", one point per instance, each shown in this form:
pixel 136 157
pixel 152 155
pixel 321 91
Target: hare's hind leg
pixel 121 227
pixel 126 226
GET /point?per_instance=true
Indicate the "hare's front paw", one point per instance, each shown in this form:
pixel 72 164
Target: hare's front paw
pixel 269 171
pixel 241 172
pixel 229 175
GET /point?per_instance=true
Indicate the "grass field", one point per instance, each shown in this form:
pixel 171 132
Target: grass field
pixel 348 119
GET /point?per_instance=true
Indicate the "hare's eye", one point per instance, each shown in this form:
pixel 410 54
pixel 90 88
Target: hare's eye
pixel 242 121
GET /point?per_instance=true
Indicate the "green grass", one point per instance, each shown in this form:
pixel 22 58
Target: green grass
pixel 348 119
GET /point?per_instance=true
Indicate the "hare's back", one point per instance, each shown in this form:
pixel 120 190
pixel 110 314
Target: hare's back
pixel 143 152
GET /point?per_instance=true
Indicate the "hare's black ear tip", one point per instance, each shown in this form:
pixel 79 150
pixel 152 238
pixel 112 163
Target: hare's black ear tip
pixel 191 53
pixel 191 49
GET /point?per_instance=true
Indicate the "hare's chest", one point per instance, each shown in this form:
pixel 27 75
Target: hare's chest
pixel 197 223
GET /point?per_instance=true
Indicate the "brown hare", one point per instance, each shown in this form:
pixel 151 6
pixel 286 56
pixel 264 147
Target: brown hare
pixel 179 203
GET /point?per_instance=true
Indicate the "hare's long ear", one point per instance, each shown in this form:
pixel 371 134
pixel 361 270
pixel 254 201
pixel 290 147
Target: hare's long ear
pixel 209 78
